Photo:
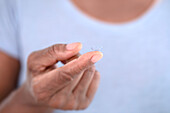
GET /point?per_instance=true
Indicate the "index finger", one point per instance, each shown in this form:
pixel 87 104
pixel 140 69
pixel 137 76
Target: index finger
pixel 80 64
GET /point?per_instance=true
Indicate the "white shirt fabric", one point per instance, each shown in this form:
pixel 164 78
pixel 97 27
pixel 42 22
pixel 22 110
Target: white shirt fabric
pixel 135 69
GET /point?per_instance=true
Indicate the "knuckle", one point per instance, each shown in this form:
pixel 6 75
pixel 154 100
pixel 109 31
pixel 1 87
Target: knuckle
pixel 91 69
pixel 56 49
pixel 64 76
pixel 61 47
pixel 81 67
pixel 84 65
pixel 97 73
pixel 78 68
pixel 71 71
pixel 80 91
pixel 52 50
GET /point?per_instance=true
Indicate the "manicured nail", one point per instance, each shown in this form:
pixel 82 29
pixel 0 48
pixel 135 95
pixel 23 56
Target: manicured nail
pixel 96 57
pixel 72 46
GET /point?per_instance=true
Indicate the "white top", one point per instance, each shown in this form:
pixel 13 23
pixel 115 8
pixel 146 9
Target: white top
pixel 135 70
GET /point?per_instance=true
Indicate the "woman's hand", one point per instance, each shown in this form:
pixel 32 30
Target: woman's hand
pixel 70 87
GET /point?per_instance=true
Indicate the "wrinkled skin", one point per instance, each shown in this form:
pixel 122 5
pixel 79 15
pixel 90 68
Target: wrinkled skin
pixel 70 87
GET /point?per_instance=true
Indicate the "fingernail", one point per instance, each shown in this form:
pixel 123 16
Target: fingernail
pixel 96 57
pixel 72 46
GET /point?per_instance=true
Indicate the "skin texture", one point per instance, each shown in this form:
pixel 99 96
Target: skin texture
pixel 114 11
pixel 70 87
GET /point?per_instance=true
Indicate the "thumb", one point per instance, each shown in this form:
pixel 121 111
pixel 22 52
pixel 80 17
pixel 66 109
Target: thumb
pixel 79 65
pixel 40 60
pixel 62 76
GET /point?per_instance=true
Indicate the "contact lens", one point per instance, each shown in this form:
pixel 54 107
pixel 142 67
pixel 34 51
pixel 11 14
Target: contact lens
pixel 96 48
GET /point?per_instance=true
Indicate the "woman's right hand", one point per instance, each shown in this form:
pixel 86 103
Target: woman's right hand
pixel 70 87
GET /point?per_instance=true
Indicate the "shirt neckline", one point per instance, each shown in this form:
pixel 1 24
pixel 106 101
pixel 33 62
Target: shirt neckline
pixel 82 18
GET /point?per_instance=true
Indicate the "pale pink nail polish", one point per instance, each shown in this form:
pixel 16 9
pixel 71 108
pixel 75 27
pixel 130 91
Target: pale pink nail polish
pixel 72 46
pixel 96 57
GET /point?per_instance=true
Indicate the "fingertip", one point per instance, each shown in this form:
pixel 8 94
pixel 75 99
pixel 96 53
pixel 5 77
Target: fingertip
pixel 97 56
